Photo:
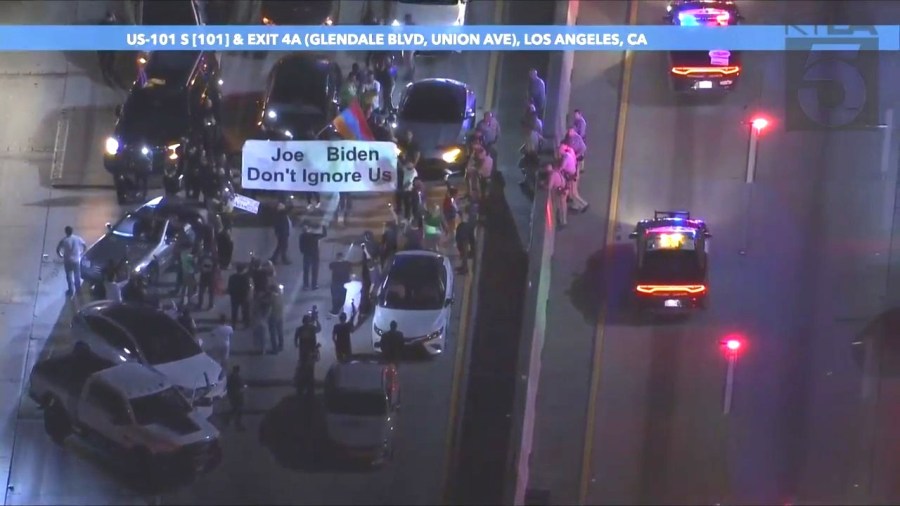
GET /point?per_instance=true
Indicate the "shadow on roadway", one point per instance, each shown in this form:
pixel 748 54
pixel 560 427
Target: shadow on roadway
pixel 881 337
pixel 294 431
pixel 484 441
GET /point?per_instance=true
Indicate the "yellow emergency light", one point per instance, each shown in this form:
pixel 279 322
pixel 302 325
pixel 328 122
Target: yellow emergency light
pixel 671 241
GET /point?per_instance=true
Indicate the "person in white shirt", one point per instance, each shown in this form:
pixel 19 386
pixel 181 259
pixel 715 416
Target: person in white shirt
pixel 217 343
pixel 371 90
pixel 408 193
pixel 71 248
pixel 353 298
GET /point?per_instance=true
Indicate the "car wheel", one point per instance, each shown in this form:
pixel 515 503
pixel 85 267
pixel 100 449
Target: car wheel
pixel 152 273
pixel 56 421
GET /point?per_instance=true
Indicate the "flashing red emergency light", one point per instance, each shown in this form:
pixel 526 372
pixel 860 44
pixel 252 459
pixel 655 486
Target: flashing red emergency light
pixel 732 344
pixel 759 124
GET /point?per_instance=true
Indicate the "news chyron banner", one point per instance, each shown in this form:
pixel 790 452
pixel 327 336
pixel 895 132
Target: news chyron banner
pixel 444 38
pixel 319 166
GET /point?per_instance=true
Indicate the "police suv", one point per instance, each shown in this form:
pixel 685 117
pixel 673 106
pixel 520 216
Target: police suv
pixel 672 250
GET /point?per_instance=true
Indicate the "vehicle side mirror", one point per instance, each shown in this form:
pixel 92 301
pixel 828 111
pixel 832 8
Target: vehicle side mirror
pixel 633 235
pixel 448 302
pixel 108 226
pixel 118 111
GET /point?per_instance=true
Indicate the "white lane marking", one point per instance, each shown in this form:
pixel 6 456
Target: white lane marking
pixel 59 148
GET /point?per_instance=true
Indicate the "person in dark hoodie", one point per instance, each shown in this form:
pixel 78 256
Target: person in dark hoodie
pixel 239 289
pixel 225 247
pixel 309 249
pixel 282 228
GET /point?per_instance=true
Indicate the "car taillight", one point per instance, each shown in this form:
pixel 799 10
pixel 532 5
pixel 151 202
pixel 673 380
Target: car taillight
pixel 725 71
pixel 670 289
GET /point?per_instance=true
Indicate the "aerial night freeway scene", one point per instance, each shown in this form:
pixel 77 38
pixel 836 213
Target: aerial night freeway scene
pixel 614 275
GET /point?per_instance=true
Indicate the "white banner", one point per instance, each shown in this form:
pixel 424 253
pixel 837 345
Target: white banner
pixel 319 166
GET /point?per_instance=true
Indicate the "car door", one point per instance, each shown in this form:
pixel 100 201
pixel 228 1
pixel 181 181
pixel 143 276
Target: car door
pixel 105 414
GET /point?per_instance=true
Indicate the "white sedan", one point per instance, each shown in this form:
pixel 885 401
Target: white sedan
pixel 417 293
pixel 430 12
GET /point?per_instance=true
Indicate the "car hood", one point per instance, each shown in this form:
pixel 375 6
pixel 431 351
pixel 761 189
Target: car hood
pixel 191 373
pixel 115 248
pixel 358 431
pixel 413 324
pixel 442 15
pixel 435 138
pixel 297 119
pixel 150 133
pixel 308 12
pixel 181 429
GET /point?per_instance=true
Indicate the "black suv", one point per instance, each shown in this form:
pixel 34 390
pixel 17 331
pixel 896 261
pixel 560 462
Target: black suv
pixel 301 97
pixel 161 119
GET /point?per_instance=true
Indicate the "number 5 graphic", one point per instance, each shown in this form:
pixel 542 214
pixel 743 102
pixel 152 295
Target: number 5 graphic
pixel 825 78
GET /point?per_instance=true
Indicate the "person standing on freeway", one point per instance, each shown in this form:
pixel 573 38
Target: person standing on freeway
pixel 71 248
pixel 537 92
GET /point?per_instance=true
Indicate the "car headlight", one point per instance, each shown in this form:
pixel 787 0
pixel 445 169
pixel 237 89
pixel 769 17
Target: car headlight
pixel 437 334
pixel 173 151
pixel 378 331
pixel 145 151
pixel 395 22
pixel 288 134
pixel 329 21
pixel 272 115
pixel 452 155
pixel 112 146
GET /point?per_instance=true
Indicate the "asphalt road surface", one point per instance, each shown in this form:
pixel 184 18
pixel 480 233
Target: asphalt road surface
pixel 62 113
pixel 798 266
pixel 799 260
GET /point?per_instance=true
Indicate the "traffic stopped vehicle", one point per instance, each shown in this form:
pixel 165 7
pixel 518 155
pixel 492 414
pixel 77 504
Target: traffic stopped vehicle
pixel 715 70
pixel 672 263
pixel 127 409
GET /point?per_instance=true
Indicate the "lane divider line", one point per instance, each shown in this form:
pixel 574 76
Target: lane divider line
pixel 599 334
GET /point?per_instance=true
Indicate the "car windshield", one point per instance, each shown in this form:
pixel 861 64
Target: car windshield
pixel 301 85
pixel 434 104
pixel 414 283
pixel 156 408
pixel 151 110
pixel 168 12
pixel 672 266
pixel 170 68
pixel 140 227
pixel 356 403
pixel 160 338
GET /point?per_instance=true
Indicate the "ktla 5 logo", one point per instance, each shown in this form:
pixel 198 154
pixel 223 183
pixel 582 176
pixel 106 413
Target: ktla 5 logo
pixel 832 77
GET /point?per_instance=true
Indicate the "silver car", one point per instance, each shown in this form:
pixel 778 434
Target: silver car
pixel 440 113
pixel 144 240
pixel 361 404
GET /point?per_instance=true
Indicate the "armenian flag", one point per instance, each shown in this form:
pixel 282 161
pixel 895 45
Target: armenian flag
pixel 351 123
